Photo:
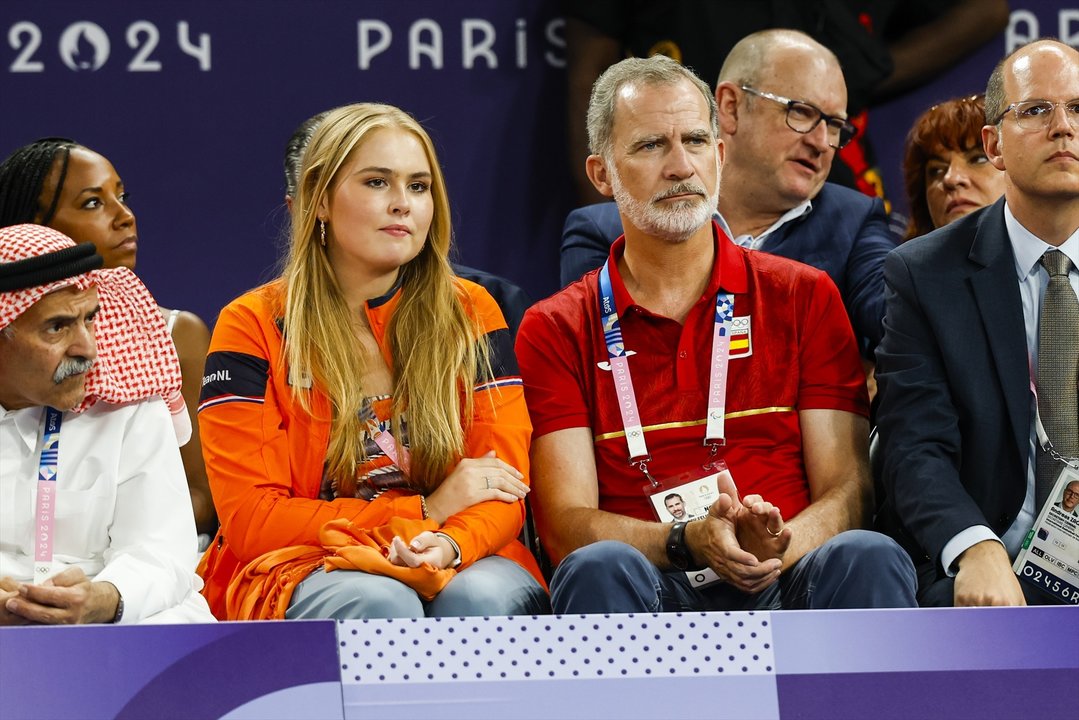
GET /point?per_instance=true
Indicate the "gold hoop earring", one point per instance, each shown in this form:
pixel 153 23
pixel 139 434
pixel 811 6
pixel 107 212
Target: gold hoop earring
pixel 322 232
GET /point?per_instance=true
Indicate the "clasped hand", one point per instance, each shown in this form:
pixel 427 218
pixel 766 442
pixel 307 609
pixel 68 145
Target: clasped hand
pixel 67 598
pixel 472 481
pixel 743 541
pixel 427 547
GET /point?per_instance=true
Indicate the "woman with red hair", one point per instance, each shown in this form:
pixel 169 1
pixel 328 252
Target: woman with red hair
pixel 945 169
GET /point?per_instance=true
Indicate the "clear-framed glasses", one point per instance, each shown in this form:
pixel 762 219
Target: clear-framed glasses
pixel 802 117
pixel 1037 114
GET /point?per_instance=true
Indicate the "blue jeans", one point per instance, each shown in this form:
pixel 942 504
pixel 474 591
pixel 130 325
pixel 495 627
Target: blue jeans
pixel 491 586
pixel 855 569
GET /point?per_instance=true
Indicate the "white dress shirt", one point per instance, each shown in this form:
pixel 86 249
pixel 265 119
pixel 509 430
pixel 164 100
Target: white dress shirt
pixel 754 243
pixel 123 512
pixel 1033 280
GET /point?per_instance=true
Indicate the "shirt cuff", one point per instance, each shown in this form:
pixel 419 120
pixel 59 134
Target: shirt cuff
pixel 960 543
pixel 131 590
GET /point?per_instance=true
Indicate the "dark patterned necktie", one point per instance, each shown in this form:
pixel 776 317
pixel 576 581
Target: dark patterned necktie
pixel 1058 371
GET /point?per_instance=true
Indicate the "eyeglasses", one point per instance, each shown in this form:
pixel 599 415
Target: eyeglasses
pixel 1071 493
pixel 802 117
pixel 1038 114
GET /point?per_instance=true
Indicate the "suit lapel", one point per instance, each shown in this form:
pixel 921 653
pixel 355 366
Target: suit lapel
pixel 996 291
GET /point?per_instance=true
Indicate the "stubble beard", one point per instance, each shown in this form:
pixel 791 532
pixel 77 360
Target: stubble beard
pixel 675 222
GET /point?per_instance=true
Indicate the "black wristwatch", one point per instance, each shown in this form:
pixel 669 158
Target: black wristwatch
pixel 677 549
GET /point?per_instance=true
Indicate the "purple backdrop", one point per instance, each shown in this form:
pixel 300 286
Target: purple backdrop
pixel 193 100
pixel 199 144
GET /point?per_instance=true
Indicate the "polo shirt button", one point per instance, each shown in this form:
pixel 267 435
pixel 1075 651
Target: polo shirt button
pixel 682 354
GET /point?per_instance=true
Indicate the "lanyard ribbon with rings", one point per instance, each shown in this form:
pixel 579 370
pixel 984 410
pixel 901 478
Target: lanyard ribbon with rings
pixel 1039 429
pixel 385 440
pixel 623 382
pixel 46 495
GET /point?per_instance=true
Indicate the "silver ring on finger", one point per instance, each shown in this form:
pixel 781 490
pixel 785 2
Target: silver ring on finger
pixel 488 481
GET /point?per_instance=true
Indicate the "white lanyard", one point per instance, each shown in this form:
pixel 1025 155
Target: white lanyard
pixel 385 440
pixel 623 382
pixel 46 495
pixel 1043 437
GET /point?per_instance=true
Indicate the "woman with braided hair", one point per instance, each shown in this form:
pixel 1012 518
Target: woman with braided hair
pixel 63 185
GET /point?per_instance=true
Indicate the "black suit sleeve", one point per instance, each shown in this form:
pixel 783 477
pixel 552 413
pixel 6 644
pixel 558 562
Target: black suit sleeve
pixel 918 420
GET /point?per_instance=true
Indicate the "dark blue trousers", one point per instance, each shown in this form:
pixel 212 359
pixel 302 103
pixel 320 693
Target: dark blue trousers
pixel 855 569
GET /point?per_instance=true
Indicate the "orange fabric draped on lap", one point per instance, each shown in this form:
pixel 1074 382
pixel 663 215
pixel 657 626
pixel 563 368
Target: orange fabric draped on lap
pixel 264 589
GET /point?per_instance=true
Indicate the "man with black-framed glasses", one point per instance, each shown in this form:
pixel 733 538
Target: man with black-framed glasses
pixel 782 111
pixel 979 367
pixel 804 117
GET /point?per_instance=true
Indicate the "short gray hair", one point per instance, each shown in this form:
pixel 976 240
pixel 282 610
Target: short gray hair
pixel 656 70
pixel 995 100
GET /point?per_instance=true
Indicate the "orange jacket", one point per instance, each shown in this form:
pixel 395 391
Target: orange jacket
pixel 265 454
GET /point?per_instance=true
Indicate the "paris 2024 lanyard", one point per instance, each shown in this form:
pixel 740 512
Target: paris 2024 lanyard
pixel 46 496
pixel 623 382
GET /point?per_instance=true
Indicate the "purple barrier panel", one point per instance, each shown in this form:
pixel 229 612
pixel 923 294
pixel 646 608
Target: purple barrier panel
pixel 850 641
pixel 165 671
pixel 690 698
pixel 692 665
pixel 939 663
pixel 952 695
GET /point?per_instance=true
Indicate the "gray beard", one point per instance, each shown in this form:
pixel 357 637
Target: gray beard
pixel 676 223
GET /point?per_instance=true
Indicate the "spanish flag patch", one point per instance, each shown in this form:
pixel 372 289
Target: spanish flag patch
pixel 741 337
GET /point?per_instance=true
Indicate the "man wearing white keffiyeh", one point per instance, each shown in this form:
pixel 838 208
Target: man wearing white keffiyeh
pixel 92 490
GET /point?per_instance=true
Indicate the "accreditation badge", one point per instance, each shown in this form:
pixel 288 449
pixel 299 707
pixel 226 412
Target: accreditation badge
pixel 1049 558
pixel 686 497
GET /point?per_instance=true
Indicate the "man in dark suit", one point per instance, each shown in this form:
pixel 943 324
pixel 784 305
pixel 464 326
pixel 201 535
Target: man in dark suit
pixel 963 347
pixel 775 197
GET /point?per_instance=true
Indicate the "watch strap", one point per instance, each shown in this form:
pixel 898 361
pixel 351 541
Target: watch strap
pixel 119 610
pixel 677 549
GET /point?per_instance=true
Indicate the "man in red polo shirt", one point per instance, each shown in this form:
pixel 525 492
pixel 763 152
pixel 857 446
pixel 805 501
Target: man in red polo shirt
pixel 690 364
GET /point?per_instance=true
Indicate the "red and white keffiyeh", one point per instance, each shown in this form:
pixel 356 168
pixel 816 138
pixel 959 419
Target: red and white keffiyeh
pixel 136 358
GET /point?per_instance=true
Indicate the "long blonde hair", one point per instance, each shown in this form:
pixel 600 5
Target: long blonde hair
pixel 439 351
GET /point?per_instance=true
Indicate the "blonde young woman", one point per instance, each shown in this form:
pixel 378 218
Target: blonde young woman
pixel 364 426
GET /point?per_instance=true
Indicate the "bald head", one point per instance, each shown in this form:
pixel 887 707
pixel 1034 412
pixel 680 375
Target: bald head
pixel 753 60
pixel 1019 61
pixel 778 167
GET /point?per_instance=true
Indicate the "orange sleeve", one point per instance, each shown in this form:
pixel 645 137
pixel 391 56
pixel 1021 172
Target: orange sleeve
pixel 500 423
pixel 264 454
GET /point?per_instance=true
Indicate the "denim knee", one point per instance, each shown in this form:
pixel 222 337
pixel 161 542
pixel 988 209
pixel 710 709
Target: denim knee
pixel 862 569
pixel 353 595
pixel 869 551
pixel 491 586
pixel 605 577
